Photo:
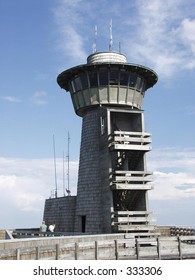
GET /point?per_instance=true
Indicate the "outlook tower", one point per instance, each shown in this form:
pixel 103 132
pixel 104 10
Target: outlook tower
pixel 113 180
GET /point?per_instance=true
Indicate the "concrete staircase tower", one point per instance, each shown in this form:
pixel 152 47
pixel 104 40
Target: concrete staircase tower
pixel 113 180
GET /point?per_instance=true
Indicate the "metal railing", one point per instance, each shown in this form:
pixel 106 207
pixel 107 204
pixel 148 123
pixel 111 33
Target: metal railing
pixel 32 234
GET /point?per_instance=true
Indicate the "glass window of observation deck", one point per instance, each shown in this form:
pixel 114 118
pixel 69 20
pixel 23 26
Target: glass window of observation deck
pixel 93 79
pixel 77 84
pixel 139 83
pixel 84 80
pixel 124 75
pixel 114 76
pixel 103 76
pixel 133 80
pixel 144 87
pixel 71 86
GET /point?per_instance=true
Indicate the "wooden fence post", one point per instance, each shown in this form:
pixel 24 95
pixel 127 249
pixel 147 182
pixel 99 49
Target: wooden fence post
pixel 116 249
pixel 96 250
pixel 158 248
pixel 57 251
pixel 179 247
pixel 17 254
pixel 137 248
pixel 76 251
pixel 37 253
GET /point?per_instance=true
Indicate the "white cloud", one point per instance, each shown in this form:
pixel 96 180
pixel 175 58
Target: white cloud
pixel 172 159
pixel 187 32
pixel 173 196
pixel 39 98
pixel 158 34
pixel 173 186
pixel 174 177
pixel 11 99
pixel 26 183
pixel 163 37
pixel 68 19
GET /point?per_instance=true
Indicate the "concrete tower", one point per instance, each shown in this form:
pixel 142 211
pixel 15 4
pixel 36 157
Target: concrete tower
pixel 113 180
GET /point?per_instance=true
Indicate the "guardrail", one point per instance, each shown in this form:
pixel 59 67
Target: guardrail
pixel 127 137
pixel 129 140
pixel 127 221
pixel 16 234
pixel 125 247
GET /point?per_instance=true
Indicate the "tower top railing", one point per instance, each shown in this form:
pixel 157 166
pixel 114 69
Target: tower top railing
pixel 106 57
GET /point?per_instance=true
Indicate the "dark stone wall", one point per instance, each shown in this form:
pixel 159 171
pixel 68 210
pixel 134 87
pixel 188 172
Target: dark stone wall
pixel 61 212
pixel 89 193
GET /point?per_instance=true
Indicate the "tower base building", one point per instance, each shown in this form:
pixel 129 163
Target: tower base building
pixel 113 180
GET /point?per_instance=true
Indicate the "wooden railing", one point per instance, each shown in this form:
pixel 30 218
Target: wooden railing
pixel 181 247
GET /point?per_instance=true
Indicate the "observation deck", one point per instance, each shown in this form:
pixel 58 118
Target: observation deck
pixel 107 79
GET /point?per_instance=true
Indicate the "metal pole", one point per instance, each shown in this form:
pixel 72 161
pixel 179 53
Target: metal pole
pixel 63 177
pixel 68 158
pixel 56 186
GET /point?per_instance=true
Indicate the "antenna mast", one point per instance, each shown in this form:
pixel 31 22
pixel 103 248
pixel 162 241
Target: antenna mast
pixel 119 44
pixel 54 152
pixel 95 41
pixel 68 158
pixel 111 41
pixel 63 176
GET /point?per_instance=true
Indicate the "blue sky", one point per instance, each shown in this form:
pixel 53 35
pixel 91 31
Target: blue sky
pixel 39 39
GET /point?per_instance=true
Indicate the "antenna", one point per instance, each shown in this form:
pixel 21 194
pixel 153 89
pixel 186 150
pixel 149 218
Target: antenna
pixel 95 41
pixel 111 41
pixel 63 176
pixel 68 158
pixel 119 44
pixel 54 152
